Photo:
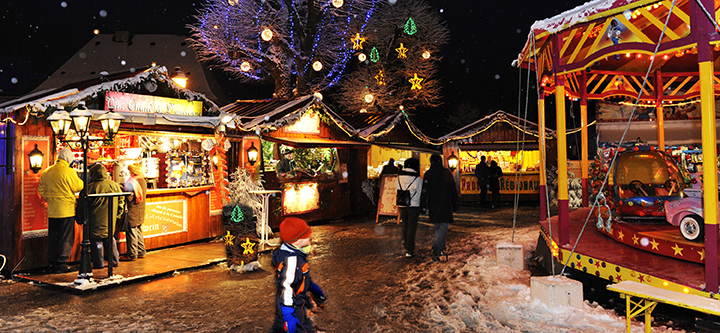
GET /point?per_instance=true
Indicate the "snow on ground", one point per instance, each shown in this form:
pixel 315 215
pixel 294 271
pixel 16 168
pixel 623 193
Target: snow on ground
pixel 470 293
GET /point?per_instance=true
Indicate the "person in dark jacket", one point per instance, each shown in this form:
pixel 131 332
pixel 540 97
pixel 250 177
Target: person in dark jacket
pixel 98 214
pixel 481 172
pixel 286 163
pixel 57 187
pixel 390 168
pixel 137 185
pixel 495 173
pixel 440 197
pixel 293 279
pixel 409 179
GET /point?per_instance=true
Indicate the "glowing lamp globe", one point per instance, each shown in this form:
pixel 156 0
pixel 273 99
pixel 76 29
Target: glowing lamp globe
pixel 426 55
pixel 36 158
pixel 252 154
pixel 318 95
pixel 81 119
pixel 363 111
pixel 337 3
pixel 60 122
pixel 179 78
pixel 317 66
pixel 266 34
pixel 245 66
pixel 452 162
pixel 111 123
pixel 369 98
pixel 362 57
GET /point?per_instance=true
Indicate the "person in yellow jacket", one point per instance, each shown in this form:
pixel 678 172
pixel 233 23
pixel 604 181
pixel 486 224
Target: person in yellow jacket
pixel 57 187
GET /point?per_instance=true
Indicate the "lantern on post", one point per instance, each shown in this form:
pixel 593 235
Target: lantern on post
pixel 36 158
pixel 252 154
pixel 111 123
pixel 60 122
pixel 452 162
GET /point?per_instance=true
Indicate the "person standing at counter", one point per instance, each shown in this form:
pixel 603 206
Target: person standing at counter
pixel 57 187
pixel 495 173
pixel 286 164
pixel 481 172
pixel 98 214
pixel 390 168
pixel 409 179
pixel 136 213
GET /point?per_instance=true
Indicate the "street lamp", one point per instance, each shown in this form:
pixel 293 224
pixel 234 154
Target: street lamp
pixel 81 117
pixel 452 162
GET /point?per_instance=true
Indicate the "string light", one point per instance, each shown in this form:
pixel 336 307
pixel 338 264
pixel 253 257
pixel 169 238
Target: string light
pixel 245 66
pixel 337 3
pixel 426 55
pixel 266 34
pixel 362 57
pixel 317 66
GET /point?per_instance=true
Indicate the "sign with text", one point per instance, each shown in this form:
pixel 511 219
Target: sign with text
pixel 164 218
pixel 34 212
pixel 152 104
pixel 527 184
pixel 386 202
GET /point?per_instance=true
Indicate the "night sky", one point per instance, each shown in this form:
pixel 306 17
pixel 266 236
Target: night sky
pixel 39 36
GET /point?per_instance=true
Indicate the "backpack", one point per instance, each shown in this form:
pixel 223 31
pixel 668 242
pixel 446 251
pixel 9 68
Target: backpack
pixel 403 197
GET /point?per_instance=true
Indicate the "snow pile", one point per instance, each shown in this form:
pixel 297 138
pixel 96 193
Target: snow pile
pixel 470 293
pixel 576 15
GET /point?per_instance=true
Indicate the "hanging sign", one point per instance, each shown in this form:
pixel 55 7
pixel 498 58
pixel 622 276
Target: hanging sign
pixel 152 104
pixel 527 184
pixel 34 211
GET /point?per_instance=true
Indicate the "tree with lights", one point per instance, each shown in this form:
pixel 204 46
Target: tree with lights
pixel 302 45
pixel 397 61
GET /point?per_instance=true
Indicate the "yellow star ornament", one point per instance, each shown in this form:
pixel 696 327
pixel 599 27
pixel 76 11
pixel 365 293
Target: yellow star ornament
pixel 380 77
pixel 229 239
pixel 402 51
pixel 357 41
pixel 415 81
pixel 248 246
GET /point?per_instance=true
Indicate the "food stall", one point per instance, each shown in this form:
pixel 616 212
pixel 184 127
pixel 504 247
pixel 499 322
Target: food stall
pixel 175 139
pixel 505 139
pixel 330 163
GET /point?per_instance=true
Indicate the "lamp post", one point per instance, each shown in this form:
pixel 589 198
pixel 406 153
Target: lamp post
pixel 81 117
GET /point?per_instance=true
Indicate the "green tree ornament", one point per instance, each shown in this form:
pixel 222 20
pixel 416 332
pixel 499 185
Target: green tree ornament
pixel 237 214
pixel 374 55
pixel 410 27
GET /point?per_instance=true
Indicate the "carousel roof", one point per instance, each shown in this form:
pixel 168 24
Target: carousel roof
pixel 612 44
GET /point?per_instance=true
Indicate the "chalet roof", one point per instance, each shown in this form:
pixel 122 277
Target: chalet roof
pixel 482 125
pixel 124 52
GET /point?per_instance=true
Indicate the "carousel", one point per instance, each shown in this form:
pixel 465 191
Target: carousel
pixel 642 64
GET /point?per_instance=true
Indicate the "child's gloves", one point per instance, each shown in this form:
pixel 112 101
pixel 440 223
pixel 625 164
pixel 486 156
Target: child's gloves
pixel 315 289
pixel 291 321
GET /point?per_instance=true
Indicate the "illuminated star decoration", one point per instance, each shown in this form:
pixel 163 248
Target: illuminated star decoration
pixel 248 246
pixel 380 77
pixel 402 51
pixel 237 214
pixel 229 239
pixel 357 41
pixel 416 82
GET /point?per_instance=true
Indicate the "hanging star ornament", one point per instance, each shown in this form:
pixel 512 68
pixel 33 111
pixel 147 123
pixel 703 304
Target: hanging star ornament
pixel 357 41
pixel 380 77
pixel 416 82
pixel 229 239
pixel 402 51
pixel 237 214
pixel 248 246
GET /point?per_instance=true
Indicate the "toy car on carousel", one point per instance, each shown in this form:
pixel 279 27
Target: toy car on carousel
pixel 642 181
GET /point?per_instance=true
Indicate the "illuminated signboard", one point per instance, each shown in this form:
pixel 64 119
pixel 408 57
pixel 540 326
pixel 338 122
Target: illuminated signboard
pixel 152 104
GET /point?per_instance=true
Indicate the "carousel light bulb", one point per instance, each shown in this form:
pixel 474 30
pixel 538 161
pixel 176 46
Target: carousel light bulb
pixel 627 55
pixel 245 66
pixel 362 57
pixel 426 55
pixel 267 34
pixel 337 3
pixel 317 66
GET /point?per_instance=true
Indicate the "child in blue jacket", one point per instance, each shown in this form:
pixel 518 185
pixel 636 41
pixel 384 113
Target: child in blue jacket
pixel 293 279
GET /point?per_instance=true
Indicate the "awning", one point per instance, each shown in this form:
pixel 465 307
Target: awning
pixel 513 146
pixel 677 132
pixel 408 147
pixel 162 119
pixel 316 142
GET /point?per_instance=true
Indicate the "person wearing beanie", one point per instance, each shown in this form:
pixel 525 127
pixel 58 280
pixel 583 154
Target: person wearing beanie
pixel 58 185
pixel 293 279
pixel 137 185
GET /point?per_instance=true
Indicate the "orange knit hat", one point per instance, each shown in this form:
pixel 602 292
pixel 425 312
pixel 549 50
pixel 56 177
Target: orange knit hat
pixel 293 228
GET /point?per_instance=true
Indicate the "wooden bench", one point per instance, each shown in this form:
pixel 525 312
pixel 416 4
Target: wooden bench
pixel 650 296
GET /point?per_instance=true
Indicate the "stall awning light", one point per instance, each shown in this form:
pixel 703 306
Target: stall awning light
pixel 179 78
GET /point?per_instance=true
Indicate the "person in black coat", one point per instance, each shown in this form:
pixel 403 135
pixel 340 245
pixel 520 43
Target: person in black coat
pixel 390 168
pixel 481 172
pixel 495 173
pixel 440 198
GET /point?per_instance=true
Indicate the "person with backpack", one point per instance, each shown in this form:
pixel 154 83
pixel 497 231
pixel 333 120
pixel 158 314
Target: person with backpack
pixel 409 180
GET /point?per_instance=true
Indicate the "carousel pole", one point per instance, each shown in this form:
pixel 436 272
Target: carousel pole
pixel 709 143
pixel 563 202
pixel 660 116
pixel 543 155
pixel 584 139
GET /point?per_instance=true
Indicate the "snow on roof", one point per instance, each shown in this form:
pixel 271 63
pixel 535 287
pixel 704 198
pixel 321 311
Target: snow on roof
pixel 576 15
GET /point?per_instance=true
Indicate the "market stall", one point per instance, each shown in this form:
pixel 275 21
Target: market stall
pixel 174 139
pixel 505 139
pixel 328 163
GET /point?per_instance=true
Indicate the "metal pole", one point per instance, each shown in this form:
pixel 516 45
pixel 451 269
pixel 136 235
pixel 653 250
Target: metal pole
pixel 111 238
pixel 85 272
